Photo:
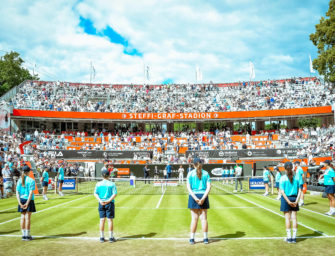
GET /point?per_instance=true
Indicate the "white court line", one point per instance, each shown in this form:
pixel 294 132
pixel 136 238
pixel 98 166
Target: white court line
pixel 139 208
pixel 9 209
pixel 160 200
pixel 269 210
pixel 55 206
pixel 303 208
pixel 171 238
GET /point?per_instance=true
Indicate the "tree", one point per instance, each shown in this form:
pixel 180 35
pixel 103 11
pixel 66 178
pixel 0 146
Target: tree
pixel 12 73
pixel 324 40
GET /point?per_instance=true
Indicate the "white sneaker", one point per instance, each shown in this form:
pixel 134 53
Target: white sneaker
pixel 265 194
pixel 329 213
pixel 235 191
pixel 301 204
pixel 278 197
pixel 241 190
pixel 61 194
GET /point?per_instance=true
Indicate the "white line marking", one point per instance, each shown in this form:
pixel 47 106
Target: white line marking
pixel 55 206
pixel 139 208
pixel 171 238
pixel 267 209
pixel 160 200
pixel 9 209
pixel 303 208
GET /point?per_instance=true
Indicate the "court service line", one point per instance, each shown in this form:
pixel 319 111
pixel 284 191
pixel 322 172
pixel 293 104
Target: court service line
pixel 46 209
pixel 303 208
pixel 165 208
pixel 160 200
pixel 9 209
pixel 171 238
pixel 269 210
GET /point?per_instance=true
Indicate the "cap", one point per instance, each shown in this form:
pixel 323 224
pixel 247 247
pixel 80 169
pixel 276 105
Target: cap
pixel 197 160
pixel 288 165
pixel 327 162
pixel 297 162
pixel 276 168
pixel 105 173
pixel 26 168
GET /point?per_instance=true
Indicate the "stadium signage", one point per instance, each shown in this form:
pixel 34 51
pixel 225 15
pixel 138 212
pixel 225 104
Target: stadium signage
pixel 242 153
pixel 172 116
pixel 217 172
pixel 97 154
pixel 256 183
pixel 69 184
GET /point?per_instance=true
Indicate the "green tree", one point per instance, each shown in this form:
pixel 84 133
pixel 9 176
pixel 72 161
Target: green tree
pixel 12 73
pixel 324 40
pixel 309 122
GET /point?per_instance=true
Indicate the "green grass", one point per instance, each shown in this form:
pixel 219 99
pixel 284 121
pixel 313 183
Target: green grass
pixel 76 216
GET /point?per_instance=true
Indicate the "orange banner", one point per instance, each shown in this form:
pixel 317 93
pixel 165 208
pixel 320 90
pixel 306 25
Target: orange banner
pixel 173 116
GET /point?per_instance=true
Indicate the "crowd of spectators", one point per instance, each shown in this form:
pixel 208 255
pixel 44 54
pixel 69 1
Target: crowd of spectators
pixel 174 98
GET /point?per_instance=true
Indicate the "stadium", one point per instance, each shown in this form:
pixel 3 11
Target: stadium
pixel 155 157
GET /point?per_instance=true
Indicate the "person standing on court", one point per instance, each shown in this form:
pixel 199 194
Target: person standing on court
pixel 266 180
pixel 238 177
pixel 299 171
pixel 45 182
pixel 329 182
pixel 105 192
pixel 181 174
pixel 146 174
pixel 25 197
pixel 290 190
pixel 60 179
pixel 199 186
pixel 168 171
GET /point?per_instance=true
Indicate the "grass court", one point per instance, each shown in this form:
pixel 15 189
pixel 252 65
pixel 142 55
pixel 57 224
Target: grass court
pixel 148 222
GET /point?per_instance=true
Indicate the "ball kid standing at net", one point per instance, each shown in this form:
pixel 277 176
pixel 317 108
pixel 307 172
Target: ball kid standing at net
pixel 45 182
pixel 60 178
pixel 25 197
pixel 299 171
pixel 105 192
pixel 290 189
pixel 329 182
pixel 198 185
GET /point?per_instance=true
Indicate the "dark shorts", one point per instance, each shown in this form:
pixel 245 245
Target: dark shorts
pixel 330 189
pixel 45 184
pixel 225 175
pixel 107 211
pixel 61 181
pixel 266 182
pixel 193 204
pixel 30 208
pixel 231 175
pixel 277 184
pixel 285 207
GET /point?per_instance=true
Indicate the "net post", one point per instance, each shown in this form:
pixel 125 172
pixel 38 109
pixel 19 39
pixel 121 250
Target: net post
pixel 248 184
pixel 55 185
pixel 77 184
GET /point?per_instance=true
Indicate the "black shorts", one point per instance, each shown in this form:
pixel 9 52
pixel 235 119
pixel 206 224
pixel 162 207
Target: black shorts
pixel 30 208
pixel 330 189
pixel 192 204
pixel 285 207
pixel 107 211
pixel 45 184
pixel 61 181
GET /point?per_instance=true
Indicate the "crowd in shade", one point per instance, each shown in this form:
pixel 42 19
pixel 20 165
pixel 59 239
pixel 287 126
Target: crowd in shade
pixel 174 98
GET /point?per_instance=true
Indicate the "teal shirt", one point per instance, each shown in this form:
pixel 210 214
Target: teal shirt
pixel 266 174
pixel 290 189
pixel 105 189
pixel 226 171
pixel 278 176
pixel 24 191
pixel 198 186
pixel 329 177
pixel 231 171
pixel 45 176
pixel 300 171
pixel 61 173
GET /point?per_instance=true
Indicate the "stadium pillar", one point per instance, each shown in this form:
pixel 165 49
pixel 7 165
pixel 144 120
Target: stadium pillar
pixel 200 127
pixel 292 123
pixel 230 125
pixel 260 125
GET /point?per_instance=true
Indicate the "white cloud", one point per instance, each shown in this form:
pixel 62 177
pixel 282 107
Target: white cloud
pixel 173 37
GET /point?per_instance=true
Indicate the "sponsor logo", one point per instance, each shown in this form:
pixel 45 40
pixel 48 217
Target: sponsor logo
pixel 278 152
pixel 249 153
pixel 85 153
pixel 217 171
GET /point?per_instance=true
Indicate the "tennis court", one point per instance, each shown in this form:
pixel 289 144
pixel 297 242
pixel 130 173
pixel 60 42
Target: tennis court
pixel 155 216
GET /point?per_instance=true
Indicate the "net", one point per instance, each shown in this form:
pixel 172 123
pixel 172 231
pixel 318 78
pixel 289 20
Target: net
pixel 141 186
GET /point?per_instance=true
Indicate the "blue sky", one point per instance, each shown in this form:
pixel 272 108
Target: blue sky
pixel 121 38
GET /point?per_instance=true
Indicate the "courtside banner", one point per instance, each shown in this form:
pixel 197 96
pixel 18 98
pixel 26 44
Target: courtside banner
pixel 242 153
pixel 256 183
pixel 172 116
pixel 98 154
pixel 69 184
